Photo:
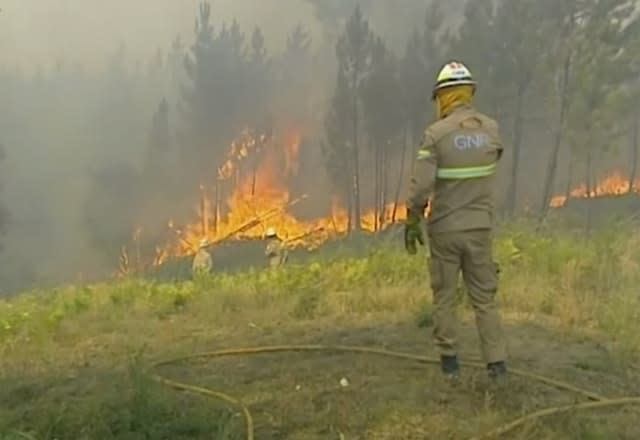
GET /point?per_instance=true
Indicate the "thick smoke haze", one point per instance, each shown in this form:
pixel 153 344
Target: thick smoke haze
pixel 43 32
pixel 80 82
pixel 113 112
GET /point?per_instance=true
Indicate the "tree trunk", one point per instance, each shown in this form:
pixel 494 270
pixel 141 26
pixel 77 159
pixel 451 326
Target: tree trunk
pixel 567 192
pixel 385 184
pixel 254 178
pixel 634 150
pixel 588 173
pixel 378 221
pixel 204 212
pixel 376 187
pixel 396 198
pixel 216 206
pixel 357 220
pixel 555 154
pixel 356 181
pixel 517 144
pixel 349 195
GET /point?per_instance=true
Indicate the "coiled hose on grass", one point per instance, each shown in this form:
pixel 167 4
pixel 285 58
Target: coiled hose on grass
pixel 597 401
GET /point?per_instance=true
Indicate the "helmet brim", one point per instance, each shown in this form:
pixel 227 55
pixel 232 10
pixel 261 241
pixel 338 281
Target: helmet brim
pixel 452 83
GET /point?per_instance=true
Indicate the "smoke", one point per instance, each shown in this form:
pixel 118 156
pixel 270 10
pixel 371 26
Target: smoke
pixel 34 33
pixel 80 82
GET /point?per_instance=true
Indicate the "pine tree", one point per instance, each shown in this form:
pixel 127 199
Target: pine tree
pixel 383 120
pixel 602 72
pixel 510 42
pixel 519 60
pixel 478 43
pixel 213 101
pixel 354 50
pixel 423 56
pixel 594 69
pixel 559 61
pixel 295 79
pixel 260 85
pixel 197 109
pixel 336 149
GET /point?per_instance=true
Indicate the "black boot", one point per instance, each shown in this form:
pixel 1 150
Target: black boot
pixel 497 372
pixel 449 365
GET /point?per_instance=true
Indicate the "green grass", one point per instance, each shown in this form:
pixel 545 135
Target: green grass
pixel 132 407
pixel 582 285
pixel 580 282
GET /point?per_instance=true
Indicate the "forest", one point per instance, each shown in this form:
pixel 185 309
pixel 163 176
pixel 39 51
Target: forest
pixel 133 131
pixel 90 155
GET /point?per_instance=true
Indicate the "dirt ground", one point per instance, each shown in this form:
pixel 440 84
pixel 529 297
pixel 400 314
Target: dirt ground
pixel 298 396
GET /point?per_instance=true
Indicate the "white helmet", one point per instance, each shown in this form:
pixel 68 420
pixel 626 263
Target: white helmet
pixel 454 73
pixel 204 243
pixel 271 232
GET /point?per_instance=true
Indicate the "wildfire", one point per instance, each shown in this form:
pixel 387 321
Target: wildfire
pixel 239 151
pixel 251 193
pixel 614 184
pixel 258 169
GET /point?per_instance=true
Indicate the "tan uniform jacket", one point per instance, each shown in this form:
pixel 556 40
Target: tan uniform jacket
pixel 202 262
pixel 276 252
pixel 455 166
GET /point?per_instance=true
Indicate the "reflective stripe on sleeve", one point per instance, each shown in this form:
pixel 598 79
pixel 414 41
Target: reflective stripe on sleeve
pixel 466 172
pixel 424 154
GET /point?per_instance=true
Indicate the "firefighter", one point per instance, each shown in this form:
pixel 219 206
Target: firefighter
pixel 455 168
pixel 275 251
pixel 202 262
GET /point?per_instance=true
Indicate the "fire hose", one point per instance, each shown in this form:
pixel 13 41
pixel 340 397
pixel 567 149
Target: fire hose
pixel 596 400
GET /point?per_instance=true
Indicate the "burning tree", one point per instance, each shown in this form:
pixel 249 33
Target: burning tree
pixel 342 151
pixel 251 191
pixel 215 102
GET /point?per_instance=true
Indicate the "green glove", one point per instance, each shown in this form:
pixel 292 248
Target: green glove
pixel 413 232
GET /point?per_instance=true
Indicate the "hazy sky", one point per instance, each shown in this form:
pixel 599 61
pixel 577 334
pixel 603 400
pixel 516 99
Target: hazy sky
pixel 38 32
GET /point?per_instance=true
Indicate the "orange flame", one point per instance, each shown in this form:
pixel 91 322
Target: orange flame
pixel 260 168
pixel 264 166
pixel 614 184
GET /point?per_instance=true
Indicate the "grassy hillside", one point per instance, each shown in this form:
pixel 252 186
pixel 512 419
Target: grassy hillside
pixel 73 359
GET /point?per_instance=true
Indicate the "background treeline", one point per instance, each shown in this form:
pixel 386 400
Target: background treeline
pixel 90 155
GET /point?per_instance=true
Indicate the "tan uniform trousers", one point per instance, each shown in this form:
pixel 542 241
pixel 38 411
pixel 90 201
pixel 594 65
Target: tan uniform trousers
pixel 471 252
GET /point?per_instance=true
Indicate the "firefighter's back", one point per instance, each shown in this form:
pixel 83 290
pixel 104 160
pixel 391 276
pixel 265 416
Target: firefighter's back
pixel 468 147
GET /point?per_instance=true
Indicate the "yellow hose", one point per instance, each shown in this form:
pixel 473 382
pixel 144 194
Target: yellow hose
pixel 508 427
pixel 598 400
pixel 215 395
